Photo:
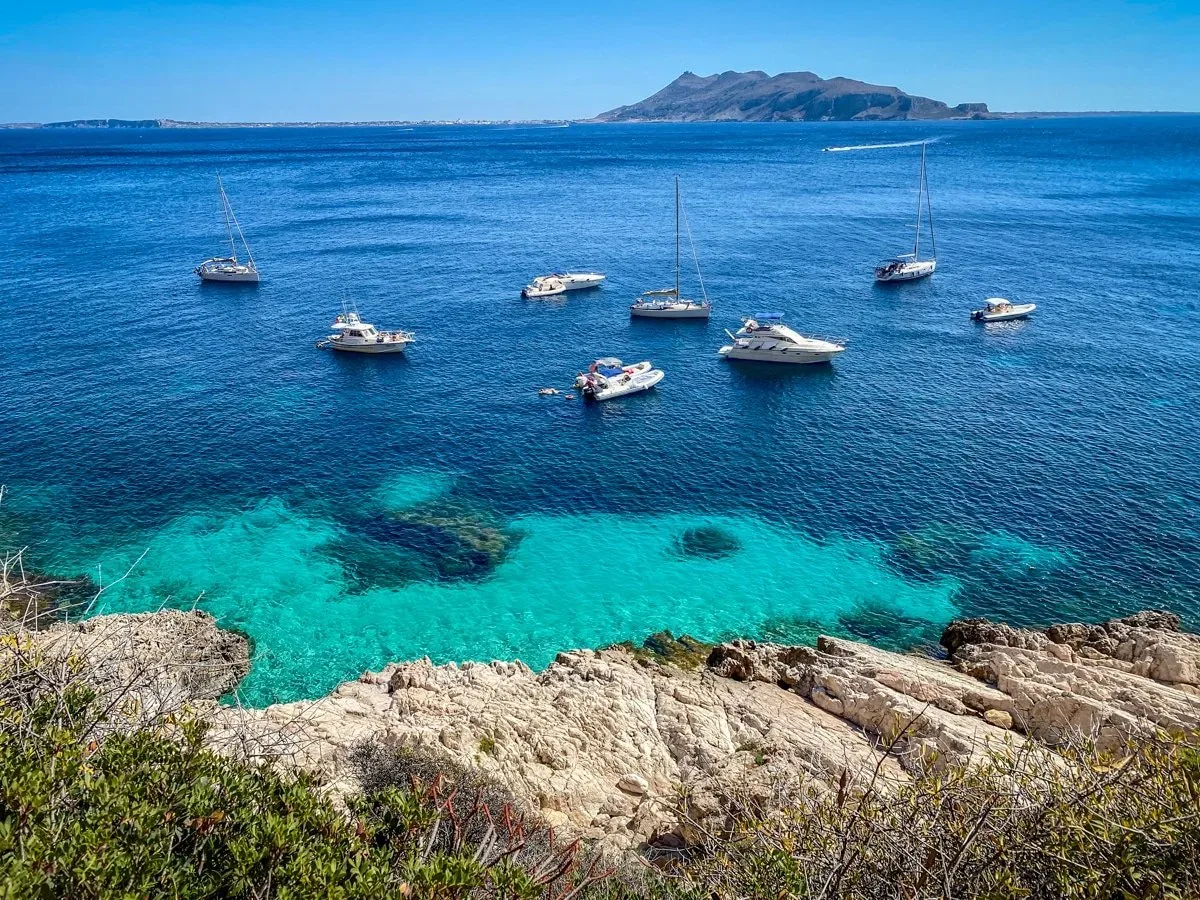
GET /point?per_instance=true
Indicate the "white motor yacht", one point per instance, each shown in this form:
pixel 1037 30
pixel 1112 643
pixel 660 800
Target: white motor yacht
pixel 579 281
pixel 608 377
pixel 997 309
pixel 669 303
pixel 765 338
pixel 561 282
pixel 229 268
pixel 910 266
pixel 356 336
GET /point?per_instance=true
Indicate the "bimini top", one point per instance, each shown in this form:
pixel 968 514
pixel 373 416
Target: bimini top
pixel 768 316
pixel 993 302
pixel 608 366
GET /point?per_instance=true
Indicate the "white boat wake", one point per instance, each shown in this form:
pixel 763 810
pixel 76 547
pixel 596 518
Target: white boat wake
pixel 878 146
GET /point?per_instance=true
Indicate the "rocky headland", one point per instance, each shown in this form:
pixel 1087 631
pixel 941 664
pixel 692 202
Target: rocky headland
pixel 646 746
pixel 786 97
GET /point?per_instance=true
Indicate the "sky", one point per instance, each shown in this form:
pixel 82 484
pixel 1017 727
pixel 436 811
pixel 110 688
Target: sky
pixel 357 60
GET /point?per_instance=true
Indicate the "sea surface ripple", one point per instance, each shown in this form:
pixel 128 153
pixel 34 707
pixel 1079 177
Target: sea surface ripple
pixel 350 511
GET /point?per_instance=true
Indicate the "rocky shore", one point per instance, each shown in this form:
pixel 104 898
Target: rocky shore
pixel 626 747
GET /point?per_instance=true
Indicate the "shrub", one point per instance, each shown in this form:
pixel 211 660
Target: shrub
pixel 154 813
pixel 1022 823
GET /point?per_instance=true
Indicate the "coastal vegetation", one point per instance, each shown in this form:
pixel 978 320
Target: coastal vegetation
pixel 111 788
pixel 154 812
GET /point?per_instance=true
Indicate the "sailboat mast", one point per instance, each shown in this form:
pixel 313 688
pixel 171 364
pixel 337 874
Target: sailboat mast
pixel 226 212
pixel 929 212
pixel 677 236
pixel 920 197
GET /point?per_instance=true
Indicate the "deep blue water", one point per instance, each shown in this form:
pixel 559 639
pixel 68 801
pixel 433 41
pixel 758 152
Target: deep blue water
pixel 348 511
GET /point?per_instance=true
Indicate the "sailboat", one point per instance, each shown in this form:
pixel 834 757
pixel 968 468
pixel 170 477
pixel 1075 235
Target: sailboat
pixel 668 303
pixel 229 268
pixel 910 266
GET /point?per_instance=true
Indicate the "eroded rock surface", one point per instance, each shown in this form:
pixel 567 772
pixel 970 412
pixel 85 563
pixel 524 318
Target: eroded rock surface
pixel 616 745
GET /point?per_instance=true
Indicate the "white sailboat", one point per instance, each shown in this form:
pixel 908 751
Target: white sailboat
pixel 229 268
pixel 668 303
pixel 910 266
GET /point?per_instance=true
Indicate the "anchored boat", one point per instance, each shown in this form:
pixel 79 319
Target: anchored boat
pixel 910 266
pixel 560 283
pixel 668 303
pixel 229 268
pixel 997 309
pixel 608 377
pixel 764 338
pixel 354 335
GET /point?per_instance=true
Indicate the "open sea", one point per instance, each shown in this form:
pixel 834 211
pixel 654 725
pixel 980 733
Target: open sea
pixel 346 511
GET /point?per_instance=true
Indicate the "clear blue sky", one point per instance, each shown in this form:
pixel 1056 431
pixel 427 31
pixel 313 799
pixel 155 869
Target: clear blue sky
pixel 272 60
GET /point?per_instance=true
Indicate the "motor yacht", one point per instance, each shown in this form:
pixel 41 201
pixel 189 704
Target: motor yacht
pixel 561 282
pixel 997 309
pixel 579 281
pixel 765 338
pixel 608 377
pixel 910 266
pixel 356 336
pixel 669 303
pixel 229 268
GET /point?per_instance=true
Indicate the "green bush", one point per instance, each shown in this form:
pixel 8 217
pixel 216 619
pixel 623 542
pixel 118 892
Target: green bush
pixel 149 814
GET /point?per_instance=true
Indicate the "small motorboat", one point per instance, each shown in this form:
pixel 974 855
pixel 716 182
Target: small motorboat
pixel 997 309
pixel 356 336
pixel 544 286
pixel 608 377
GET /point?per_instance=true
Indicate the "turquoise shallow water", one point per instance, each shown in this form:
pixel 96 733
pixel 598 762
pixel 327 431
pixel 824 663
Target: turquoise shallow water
pixel 347 512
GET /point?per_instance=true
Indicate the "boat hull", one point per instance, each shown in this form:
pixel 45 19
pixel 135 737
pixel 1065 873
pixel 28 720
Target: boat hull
pixel 1020 312
pixel 907 273
pixel 786 357
pixel 387 347
pixel 651 313
pixel 239 277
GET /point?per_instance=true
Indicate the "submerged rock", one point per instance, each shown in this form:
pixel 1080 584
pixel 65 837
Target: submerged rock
pixel 706 542
pixel 441 540
pixel 684 652
pixel 38 600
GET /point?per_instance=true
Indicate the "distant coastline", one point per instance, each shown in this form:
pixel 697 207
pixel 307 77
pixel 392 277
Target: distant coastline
pixel 176 123
pixel 146 124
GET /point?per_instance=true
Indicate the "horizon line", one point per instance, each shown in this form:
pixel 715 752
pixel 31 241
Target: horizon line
pixel 93 122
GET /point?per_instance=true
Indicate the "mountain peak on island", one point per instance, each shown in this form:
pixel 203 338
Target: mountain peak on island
pixel 756 96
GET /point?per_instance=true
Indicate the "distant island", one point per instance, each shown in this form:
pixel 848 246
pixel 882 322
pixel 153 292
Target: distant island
pixel 175 123
pixel 787 97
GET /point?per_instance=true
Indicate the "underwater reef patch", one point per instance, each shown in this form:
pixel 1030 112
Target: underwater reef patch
pixel 705 542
